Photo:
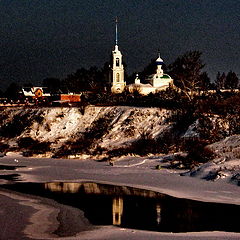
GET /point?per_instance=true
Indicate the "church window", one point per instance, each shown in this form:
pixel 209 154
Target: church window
pixel 117 62
pixel 118 77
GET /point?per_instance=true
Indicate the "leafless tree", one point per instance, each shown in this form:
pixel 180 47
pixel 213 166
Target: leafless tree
pixel 186 72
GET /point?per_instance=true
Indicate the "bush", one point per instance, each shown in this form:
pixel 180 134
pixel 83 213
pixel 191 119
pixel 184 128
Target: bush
pixel 18 124
pixel 4 147
pixel 39 118
pixel 142 146
pixel 26 142
pixel 33 146
pixel 41 147
pixel 197 151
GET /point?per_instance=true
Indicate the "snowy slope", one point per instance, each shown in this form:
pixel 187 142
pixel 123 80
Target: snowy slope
pixel 111 128
pixel 226 163
pixel 59 125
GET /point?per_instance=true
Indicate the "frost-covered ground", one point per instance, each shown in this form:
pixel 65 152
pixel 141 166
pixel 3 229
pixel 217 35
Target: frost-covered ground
pixel 113 128
pixel 135 172
pixel 59 125
pixel 226 164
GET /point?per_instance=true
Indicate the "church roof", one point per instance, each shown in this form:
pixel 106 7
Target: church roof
pixel 165 76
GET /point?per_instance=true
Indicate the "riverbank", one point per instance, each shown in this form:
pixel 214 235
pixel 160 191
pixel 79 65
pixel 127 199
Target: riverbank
pixel 27 218
pixel 140 173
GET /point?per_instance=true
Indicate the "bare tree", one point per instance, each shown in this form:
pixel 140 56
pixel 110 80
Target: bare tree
pixel 186 72
pixel 220 80
pixel 232 81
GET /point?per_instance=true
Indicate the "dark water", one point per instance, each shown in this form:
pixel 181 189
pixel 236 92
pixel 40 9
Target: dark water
pixel 138 209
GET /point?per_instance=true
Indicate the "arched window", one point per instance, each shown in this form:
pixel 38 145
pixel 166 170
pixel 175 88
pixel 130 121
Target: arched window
pixel 118 77
pixel 117 62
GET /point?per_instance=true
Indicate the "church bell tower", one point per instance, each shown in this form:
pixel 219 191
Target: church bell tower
pixel 118 83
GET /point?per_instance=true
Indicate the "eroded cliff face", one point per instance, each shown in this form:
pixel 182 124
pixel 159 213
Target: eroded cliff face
pixel 106 127
pixel 115 125
pixel 108 133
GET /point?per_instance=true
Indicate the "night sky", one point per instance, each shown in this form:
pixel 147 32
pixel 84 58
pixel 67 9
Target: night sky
pixel 53 38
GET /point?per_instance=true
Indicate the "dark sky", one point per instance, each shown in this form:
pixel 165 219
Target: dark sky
pixel 53 38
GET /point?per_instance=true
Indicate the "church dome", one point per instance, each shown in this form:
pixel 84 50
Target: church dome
pixel 159 61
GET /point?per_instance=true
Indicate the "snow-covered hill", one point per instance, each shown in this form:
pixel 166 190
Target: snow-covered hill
pixel 110 126
pixel 67 132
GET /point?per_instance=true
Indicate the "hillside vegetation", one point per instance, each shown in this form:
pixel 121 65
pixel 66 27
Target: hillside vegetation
pixel 195 130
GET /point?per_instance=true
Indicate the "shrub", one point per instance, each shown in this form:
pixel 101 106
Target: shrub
pixel 26 142
pixel 39 118
pixel 18 124
pixel 4 147
pixel 117 152
pixel 41 147
pixel 197 151
pixel 142 146
pixel 33 146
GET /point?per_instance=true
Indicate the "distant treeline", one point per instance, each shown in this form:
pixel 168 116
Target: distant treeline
pixel 187 72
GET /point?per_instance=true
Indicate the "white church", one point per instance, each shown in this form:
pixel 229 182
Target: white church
pixel 157 82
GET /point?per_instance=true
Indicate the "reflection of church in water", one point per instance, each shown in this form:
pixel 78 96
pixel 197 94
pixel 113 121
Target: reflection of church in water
pixel 117 211
pixel 111 203
pixel 157 82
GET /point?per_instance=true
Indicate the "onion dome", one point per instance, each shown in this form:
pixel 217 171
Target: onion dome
pixel 159 61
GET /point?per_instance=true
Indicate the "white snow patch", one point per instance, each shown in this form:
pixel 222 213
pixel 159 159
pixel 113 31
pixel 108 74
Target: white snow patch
pixel 227 161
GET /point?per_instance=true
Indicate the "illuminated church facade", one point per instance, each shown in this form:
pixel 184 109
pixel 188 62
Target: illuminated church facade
pixel 157 82
pixel 118 83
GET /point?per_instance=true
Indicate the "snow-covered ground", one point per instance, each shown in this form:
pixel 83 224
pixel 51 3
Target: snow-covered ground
pixel 137 172
pixel 119 127
pixel 226 164
pixel 59 125
pixel 122 126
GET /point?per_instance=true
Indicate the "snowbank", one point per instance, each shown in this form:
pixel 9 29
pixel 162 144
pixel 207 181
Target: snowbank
pixel 226 164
